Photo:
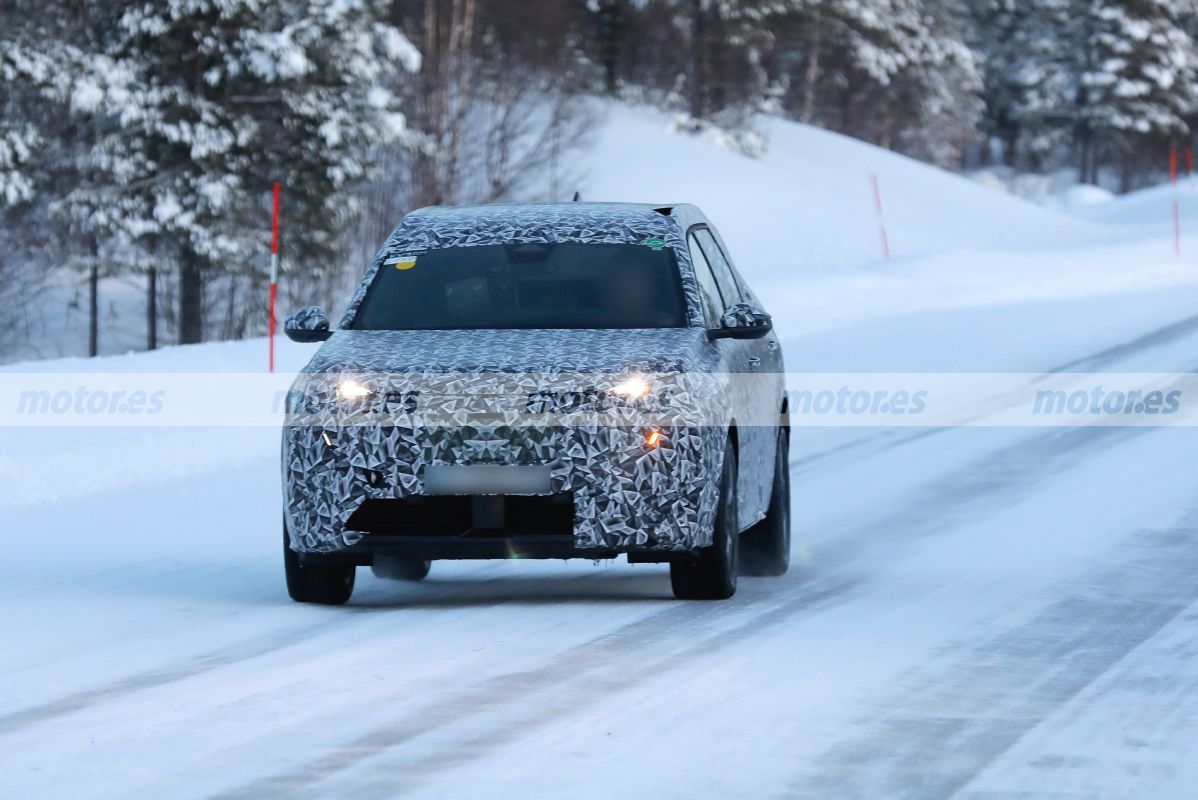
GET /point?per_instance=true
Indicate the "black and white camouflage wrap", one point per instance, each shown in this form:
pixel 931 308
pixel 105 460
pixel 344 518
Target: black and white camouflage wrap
pixel 463 397
pixel 311 318
pixel 743 315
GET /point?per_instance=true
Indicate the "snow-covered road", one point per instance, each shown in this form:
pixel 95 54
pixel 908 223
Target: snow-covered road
pixel 973 612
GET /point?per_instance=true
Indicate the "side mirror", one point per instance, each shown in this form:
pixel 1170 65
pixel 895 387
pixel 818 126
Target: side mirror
pixel 309 324
pixel 742 321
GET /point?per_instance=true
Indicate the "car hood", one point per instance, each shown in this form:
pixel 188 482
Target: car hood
pixel 491 351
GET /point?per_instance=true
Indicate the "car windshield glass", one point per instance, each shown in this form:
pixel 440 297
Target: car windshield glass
pixel 564 285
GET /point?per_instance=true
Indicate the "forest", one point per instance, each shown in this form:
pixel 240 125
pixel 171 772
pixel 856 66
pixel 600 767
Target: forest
pixel 141 140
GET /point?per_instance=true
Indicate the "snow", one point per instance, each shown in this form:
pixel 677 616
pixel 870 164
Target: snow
pixel 1083 195
pixel 1151 209
pixel 801 220
pixel 815 186
pixel 15 148
pixel 983 612
pixel 1058 190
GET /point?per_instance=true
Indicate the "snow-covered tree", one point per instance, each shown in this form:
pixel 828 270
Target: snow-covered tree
pixel 210 102
pixel 935 98
pixel 1028 52
pixel 1138 77
pixel 712 51
pixel 1045 74
pixel 886 70
pixel 26 74
pixel 44 152
pixel 18 143
pixel 995 31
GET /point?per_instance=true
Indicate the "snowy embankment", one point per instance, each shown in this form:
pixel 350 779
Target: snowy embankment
pixel 970 610
pixel 801 222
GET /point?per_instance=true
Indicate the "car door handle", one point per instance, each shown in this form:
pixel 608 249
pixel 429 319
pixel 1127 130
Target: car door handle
pixel 754 362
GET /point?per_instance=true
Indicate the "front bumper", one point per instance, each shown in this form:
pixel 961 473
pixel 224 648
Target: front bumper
pixel 626 498
pixel 442 548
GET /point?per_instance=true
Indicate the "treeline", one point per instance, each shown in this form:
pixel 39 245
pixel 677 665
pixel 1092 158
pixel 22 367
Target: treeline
pixel 1102 86
pixel 141 139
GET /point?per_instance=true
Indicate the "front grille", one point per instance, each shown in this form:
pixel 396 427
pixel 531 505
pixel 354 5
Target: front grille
pixel 417 516
pixel 468 516
pixel 539 516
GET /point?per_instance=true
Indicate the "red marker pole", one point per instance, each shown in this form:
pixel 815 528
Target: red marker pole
pixel 274 275
pixel 1176 201
pixel 873 179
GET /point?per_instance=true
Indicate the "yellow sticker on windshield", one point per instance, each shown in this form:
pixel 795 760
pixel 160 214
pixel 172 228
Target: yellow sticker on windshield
pixel 405 262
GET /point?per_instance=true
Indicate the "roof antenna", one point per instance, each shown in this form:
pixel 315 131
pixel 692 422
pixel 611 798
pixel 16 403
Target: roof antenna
pixel 577 197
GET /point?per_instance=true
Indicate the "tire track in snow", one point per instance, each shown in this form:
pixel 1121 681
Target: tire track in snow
pixel 155 678
pixel 259 647
pixel 592 671
pixel 983 486
pixel 1168 334
pixel 988 484
pixel 961 491
pixel 891 439
pixel 195 666
pixel 969 485
pixel 966 493
pixel 945 724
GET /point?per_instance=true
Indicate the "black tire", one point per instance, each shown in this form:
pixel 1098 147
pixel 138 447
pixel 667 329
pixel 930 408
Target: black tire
pixel 401 569
pixel 710 574
pixel 765 547
pixel 329 583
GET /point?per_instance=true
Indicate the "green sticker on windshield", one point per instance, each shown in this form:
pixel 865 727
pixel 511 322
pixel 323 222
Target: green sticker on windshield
pixel 656 242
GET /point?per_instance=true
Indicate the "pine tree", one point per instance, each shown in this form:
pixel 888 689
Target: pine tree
pixel 890 71
pixel 1045 76
pixel 211 101
pixel 1138 85
pixel 995 31
pixel 1028 51
pixel 45 154
pixel 19 142
pixel 934 97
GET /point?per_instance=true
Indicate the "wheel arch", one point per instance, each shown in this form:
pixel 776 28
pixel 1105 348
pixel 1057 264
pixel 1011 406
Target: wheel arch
pixel 734 437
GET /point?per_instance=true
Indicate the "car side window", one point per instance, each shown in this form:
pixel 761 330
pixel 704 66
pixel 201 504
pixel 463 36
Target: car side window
pixel 729 287
pixel 709 291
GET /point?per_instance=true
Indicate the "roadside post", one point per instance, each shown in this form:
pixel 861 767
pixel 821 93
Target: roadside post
pixel 873 179
pixel 274 275
pixel 1176 200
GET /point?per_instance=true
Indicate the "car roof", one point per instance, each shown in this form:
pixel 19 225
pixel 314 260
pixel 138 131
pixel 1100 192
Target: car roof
pixel 685 213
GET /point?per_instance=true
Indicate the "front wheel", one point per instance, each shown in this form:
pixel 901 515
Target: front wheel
pixel 329 584
pixel 711 573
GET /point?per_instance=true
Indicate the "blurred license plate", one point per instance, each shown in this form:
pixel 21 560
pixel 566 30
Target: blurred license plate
pixel 486 479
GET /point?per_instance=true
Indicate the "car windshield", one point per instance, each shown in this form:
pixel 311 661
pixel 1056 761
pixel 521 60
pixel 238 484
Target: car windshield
pixel 539 285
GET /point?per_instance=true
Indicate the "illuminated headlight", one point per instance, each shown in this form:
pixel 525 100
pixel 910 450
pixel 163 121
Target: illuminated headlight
pixel 350 389
pixel 633 387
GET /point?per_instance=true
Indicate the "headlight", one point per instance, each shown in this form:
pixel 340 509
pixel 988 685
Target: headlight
pixel 633 387
pixel 350 389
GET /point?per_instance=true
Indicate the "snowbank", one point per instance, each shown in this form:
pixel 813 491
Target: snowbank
pixel 808 204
